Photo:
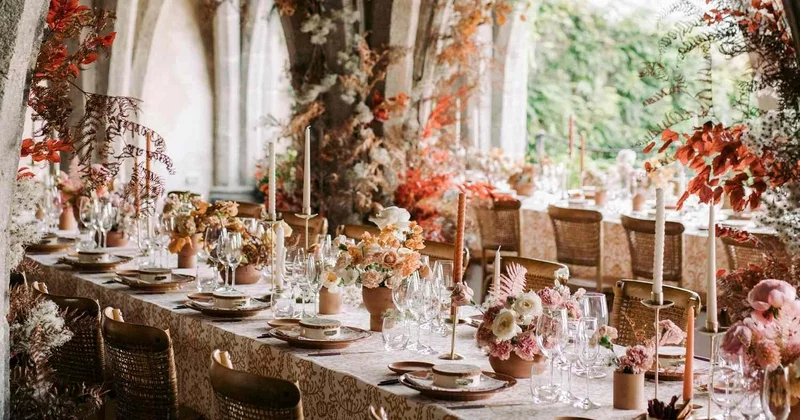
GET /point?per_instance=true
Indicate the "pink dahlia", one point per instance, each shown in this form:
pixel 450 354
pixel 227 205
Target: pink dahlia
pixel 771 294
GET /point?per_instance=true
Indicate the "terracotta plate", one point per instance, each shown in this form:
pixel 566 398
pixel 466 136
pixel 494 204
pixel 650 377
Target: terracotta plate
pixel 201 296
pixel 61 245
pixel 110 265
pixel 409 366
pixel 283 322
pixel 348 336
pixel 460 394
pixel 128 278
pixel 253 309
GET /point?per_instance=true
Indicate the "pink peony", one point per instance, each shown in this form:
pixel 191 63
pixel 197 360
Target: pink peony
pixel 527 348
pixel 737 339
pixel 501 350
pixel 771 294
pixel 550 298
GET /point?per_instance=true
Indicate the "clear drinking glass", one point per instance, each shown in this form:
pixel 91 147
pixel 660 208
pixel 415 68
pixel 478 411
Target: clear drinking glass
pixel 426 306
pixel 594 305
pixel 395 333
pixel 776 393
pixel 298 274
pixel 551 330
pixel 232 252
pixel 144 240
pixel 570 350
pixel 750 407
pixel 106 221
pixel 308 279
pixel 86 216
pixel 587 356
pixel 726 381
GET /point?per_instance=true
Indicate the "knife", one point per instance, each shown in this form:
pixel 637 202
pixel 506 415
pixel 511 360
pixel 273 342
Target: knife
pixel 470 407
pixel 338 353
pixel 389 382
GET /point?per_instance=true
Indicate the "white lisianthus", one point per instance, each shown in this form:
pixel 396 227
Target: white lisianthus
pixel 330 281
pixel 348 276
pixel 505 325
pixel 528 305
pixel 395 216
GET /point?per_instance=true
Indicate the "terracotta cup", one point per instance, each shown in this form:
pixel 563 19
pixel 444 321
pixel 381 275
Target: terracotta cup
pixel 116 239
pixel 515 366
pixel 629 391
pixel 377 300
pixel 247 274
pixel 187 257
pixel 329 303
pixel 638 202
pixel 67 219
pixel 600 198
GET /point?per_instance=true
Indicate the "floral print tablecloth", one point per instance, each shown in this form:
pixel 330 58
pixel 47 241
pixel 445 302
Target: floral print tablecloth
pixel 334 387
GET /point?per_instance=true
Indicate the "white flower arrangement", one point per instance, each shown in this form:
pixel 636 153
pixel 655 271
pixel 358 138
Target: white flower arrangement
pixel 45 316
pixel 23 228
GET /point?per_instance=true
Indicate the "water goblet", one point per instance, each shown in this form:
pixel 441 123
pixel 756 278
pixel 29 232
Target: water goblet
pixel 551 330
pixel 232 253
pixel 587 356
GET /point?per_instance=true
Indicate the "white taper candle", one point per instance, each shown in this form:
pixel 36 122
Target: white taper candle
pixel 711 287
pixel 498 262
pixel 272 212
pixel 307 173
pixel 658 253
pixel 279 254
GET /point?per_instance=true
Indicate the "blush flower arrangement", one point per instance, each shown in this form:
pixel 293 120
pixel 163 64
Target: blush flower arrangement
pixel 383 260
pixel 193 215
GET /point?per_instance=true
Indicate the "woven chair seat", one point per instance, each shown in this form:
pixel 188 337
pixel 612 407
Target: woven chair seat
pixel 641 244
pixel 635 322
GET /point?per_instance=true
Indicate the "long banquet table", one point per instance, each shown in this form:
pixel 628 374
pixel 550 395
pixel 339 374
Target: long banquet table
pixel 333 387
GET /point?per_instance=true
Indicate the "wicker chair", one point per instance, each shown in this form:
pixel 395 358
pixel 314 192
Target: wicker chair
pixel 579 241
pixel 628 315
pixel 188 194
pixel 81 359
pixel 317 227
pixel 438 251
pixel 641 236
pixel 499 228
pixel 540 273
pixel 377 413
pixel 142 368
pixel 742 254
pixel 355 231
pixel 255 210
pixel 245 396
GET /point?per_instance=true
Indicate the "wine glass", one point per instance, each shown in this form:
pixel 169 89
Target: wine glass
pixel 551 330
pixel 570 350
pixel 164 226
pixel 587 356
pixel 298 274
pixel 310 277
pixel 431 305
pixel 594 305
pixel 402 298
pixel 85 212
pixel 750 407
pixel 144 240
pixel 208 250
pixel 52 207
pixel 106 221
pixel 776 396
pixel 726 381
pixel 232 254
pixel 443 270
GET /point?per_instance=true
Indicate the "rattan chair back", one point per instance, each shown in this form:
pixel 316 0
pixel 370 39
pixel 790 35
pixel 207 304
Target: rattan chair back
pixel 317 229
pixel 579 235
pixel 246 396
pixel 254 210
pixel 500 226
pixel 356 231
pixel 438 251
pixel 80 360
pixel 743 254
pixel 635 322
pixel 142 368
pixel 641 236
pixel 540 273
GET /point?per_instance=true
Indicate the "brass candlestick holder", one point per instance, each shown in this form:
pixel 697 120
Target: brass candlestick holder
pixel 657 303
pixel 712 331
pixel 306 218
pixel 276 288
pixel 452 355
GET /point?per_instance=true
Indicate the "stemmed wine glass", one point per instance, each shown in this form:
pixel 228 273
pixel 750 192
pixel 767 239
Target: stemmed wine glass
pixel 776 398
pixel 443 275
pixel 309 278
pixel 85 212
pixel 402 295
pixel 726 381
pixel 298 273
pixel 163 228
pixel 52 208
pixel 570 350
pixel 551 331
pixel 105 221
pixel 594 306
pixel 231 254
pixel 209 249
pixel 587 355
pixel 427 305
pixel 144 240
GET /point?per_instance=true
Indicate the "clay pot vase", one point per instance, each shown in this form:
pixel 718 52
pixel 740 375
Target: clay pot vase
pixel 629 391
pixel 638 202
pixel 116 239
pixel 67 219
pixel 187 257
pixel 515 366
pixel 377 300
pixel 247 274
pixel 329 303
pixel 600 198
pixel 526 188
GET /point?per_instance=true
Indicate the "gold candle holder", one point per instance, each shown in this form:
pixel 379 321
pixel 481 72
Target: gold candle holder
pixel 452 355
pixel 306 217
pixel 273 265
pixel 712 331
pixel 657 303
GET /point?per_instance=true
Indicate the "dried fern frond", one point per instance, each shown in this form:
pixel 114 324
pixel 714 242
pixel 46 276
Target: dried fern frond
pixel 512 283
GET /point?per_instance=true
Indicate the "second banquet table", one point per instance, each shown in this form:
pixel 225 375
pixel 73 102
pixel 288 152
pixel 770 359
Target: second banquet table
pixel 333 387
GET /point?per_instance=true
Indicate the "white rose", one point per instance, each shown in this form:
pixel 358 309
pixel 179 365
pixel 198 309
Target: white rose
pixel 528 305
pixel 505 325
pixel 348 276
pixel 394 216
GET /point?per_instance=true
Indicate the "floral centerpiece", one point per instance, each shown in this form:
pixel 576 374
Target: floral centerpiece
pixel 258 245
pixel 508 329
pixel 192 215
pixel 381 262
pixel 124 218
pixel 523 179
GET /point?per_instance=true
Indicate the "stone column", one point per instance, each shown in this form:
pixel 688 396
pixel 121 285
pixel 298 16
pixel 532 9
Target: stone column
pixel 510 87
pixel 402 34
pixel 21 23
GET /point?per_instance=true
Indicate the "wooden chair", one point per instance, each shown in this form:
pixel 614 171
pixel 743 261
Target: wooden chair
pixel 317 228
pixel 142 368
pixel 628 315
pixel 255 210
pixel 243 396
pixel 81 360
pixel 641 236
pixel 356 231
pixel 742 254
pixel 579 241
pixel 377 413
pixel 186 194
pixel 438 251
pixel 540 273
pixel 499 227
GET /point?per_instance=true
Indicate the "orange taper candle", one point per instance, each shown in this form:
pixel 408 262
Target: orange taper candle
pixel 458 258
pixel 135 180
pixel 688 372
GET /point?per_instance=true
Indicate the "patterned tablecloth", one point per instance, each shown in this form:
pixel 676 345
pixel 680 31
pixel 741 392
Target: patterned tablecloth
pixel 333 387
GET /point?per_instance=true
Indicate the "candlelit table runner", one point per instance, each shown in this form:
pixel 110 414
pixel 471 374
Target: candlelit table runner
pixel 333 387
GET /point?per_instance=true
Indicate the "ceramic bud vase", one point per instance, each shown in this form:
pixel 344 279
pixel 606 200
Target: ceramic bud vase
pixel 377 300
pixel 629 391
pixel 600 198
pixel 247 274
pixel 515 366
pixel 116 239
pixel 329 303
pixel 638 202
pixel 187 257
pixel 67 219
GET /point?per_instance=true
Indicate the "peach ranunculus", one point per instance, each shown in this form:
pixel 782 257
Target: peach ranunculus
pixel 771 294
pixel 388 259
pixel 371 279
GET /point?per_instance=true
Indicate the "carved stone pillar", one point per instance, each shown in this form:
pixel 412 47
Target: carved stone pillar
pixel 510 87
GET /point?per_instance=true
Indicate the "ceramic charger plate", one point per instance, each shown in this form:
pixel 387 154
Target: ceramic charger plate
pixel 252 309
pixel 409 366
pixel 346 337
pixel 61 244
pixel 100 266
pixel 131 279
pixel 422 381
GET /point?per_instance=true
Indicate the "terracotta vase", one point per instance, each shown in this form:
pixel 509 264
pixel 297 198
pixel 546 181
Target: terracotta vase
pixel 629 391
pixel 247 274
pixel 329 303
pixel 377 300
pixel 638 202
pixel 116 239
pixel 67 219
pixel 600 198
pixel 515 366
pixel 526 188
pixel 187 257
